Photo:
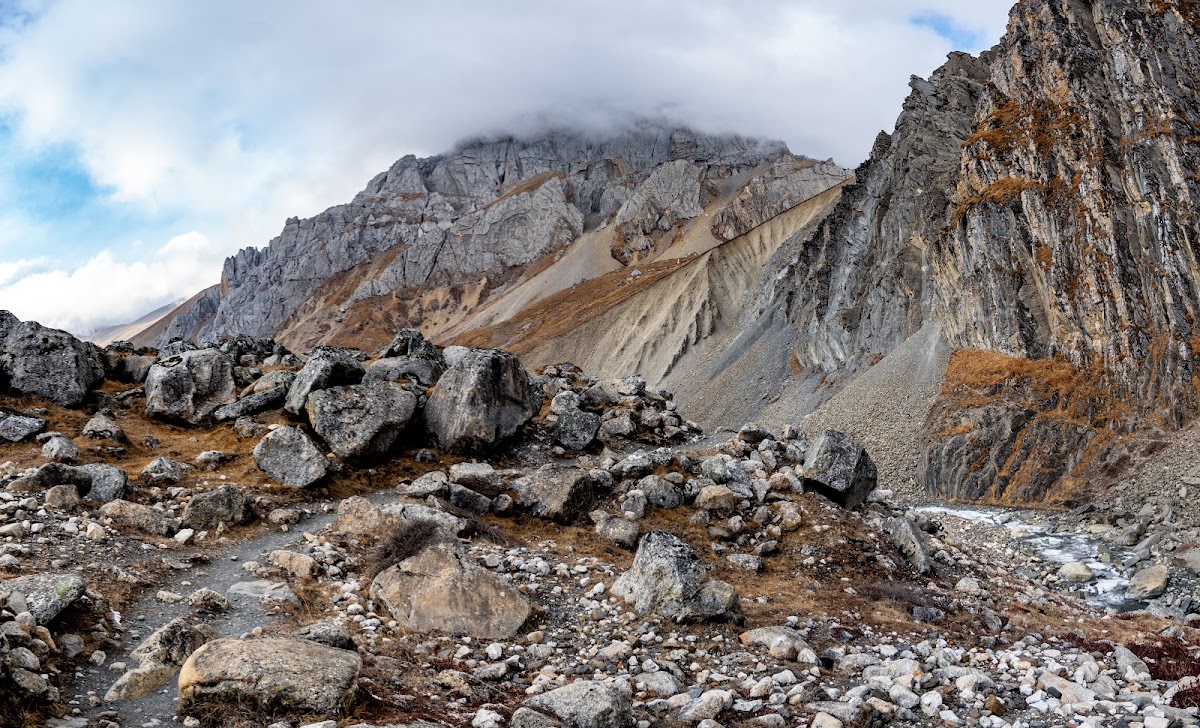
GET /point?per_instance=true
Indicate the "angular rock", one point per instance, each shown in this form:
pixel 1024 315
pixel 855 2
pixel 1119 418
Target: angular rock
pixel 439 589
pixel 46 595
pixel 327 632
pixel 839 469
pixel 717 498
pixel 357 516
pixel 468 500
pixel 617 529
pixel 60 450
pixel 912 542
pixel 556 492
pixel 667 579
pixel 480 477
pixel 271 675
pixel 162 470
pixel 206 511
pixel 423 371
pixel 361 421
pixel 252 405
pixel 47 362
pixel 189 388
pixel 482 399
pixel 143 518
pixel 326 367
pixel 1148 583
pixel 588 704
pixel 289 457
pixel 783 643
pixel 159 656
pixel 16 428
pixel 576 429
pixel 101 483
pixel 102 426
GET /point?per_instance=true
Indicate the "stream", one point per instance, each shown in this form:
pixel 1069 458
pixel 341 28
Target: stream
pixel 1107 590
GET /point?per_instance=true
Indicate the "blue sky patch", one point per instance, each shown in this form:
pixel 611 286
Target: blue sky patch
pixel 961 37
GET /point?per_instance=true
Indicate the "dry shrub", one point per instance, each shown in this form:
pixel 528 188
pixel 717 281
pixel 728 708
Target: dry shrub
pixel 407 539
pixel 1187 698
pixel 1167 659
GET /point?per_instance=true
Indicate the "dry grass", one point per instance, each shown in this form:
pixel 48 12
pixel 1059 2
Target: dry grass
pixel 407 539
pixel 1168 659
pixel 558 314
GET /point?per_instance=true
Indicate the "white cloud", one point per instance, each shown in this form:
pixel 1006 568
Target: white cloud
pixel 231 116
pixel 105 289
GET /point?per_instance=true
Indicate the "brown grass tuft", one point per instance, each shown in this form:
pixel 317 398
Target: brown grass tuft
pixel 407 539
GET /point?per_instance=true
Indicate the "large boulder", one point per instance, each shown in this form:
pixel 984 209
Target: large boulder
pixel 326 367
pixel 47 362
pixel 912 542
pixel 483 398
pixel 288 456
pixel 209 510
pixel 361 421
pixel 424 371
pixel 839 469
pixel 123 363
pixel 440 589
pixel 576 429
pixel 557 492
pixel 667 579
pixel 96 482
pixel 588 704
pixel 190 387
pixel 159 656
pixel 252 404
pixel 16 428
pixel 272 675
pixel 46 595
pixel 357 516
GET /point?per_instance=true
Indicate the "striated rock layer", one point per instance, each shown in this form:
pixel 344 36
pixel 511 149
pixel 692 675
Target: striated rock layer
pixel 432 240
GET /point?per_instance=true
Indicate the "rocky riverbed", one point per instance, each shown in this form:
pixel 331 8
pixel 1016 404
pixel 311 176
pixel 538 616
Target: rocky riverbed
pixel 426 537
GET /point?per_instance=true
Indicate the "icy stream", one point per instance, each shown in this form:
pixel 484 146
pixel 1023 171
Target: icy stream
pixel 1106 590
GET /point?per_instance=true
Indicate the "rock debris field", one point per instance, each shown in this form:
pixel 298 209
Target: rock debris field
pixel 237 536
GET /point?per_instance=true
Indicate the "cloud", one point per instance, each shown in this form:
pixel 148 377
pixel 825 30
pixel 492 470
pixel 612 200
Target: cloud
pixel 228 117
pixel 105 289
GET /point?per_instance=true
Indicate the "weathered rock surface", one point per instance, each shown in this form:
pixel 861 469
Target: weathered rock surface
pixel 288 456
pixel 556 492
pixel 209 510
pixel 47 362
pixel 839 469
pixel 902 533
pixel 253 404
pixel 16 428
pixel 482 399
pixel 361 421
pixel 159 657
pixel 190 388
pixel 326 367
pixel 271 675
pixel 588 704
pixel 47 595
pixel 667 578
pixel 439 589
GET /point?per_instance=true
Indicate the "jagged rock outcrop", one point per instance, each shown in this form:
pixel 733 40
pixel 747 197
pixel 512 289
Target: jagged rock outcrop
pixel 433 239
pixel 47 362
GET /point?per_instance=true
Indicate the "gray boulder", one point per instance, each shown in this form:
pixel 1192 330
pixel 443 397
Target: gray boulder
pixel 102 426
pixel 271 675
pixel 159 657
pixel 424 371
pixel 361 421
pixel 588 704
pixel 483 398
pixel 123 364
pixel 208 510
pixel 667 579
pixel 46 595
pixel 557 492
pixel 47 362
pixel 410 343
pixel 326 367
pixel 143 518
pixel 16 428
pixel 60 450
pixel 912 542
pixel 190 387
pixel 440 589
pixel 271 380
pixel 576 429
pixel 839 469
pixel 288 456
pixel 96 482
pixel 251 405
pixel 162 470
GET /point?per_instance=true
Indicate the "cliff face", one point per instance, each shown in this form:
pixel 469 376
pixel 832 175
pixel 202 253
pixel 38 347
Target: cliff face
pixel 431 240
pixel 1038 202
